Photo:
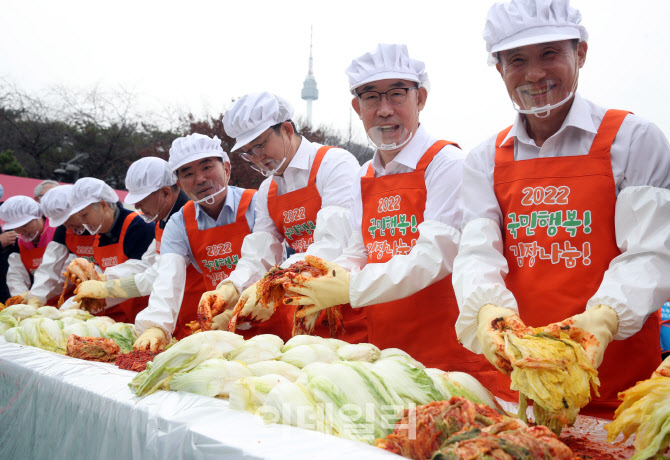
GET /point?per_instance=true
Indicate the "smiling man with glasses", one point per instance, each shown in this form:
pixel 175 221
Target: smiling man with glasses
pixel 304 204
pixel 406 218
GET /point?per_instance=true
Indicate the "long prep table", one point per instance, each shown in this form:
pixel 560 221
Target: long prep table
pixel 54 407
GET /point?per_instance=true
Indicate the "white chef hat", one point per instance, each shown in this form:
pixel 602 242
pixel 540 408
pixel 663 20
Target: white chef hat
pixel 387 61
pixel 194 147
pixel 252 114
pixel 17 211
pixel 519 23
pixel 89 190
pixel 56 204
pixel 145 176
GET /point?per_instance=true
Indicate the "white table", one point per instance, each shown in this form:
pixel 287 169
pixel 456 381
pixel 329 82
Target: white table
pixel 57 407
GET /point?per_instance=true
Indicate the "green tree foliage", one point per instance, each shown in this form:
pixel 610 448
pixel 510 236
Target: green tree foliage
pixel 46 132
pixel 9 165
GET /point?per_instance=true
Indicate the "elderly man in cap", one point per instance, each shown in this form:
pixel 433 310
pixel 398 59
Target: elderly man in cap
pixel 566 211
pixel 23 215
pixel 303 203
pixel 153 190
pixel 406 216
pixel 123 243
pixel 206 233
pixel 70 240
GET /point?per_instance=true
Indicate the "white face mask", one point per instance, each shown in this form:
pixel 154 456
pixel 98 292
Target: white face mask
pixel 79 231
pixel 209 199
pixel 382 139
pixel 148 219
pixel 28 239
pixel 97 229
pixel 541 99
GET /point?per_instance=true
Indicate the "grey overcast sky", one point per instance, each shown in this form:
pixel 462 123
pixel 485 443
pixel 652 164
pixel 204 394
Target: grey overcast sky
pixel 199 55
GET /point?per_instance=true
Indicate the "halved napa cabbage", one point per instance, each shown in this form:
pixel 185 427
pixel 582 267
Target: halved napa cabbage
pixel 19 311
pixel 302 340
pixel 555 373
pixel 645 412
pixel 7 322
pixel 292 404
pixel 462 384
pixel 249 393
pixel 359 352
pixel 14 335
pixel 182 357
pixel 412 384
pixel 354 401
pixel 302 355
pixel 270 338
pixel 101 322
pixel 399 355
pixel 214 377
pixel 123 334
pixel 49 312
pixel 255 351
pixel 334 344
pixel 275 367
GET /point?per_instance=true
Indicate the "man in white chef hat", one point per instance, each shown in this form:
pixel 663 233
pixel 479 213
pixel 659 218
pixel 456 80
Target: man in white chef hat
pixel 23 215
pixel 206 232
pixel 153 190
pixel 304 202
pixel 123 246
pixel 70 240
pixel 566 211
pixel 406 219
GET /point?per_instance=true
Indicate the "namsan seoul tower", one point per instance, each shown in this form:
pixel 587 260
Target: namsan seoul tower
pixel 309 91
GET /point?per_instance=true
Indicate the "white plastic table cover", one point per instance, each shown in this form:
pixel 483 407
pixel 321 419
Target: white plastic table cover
pixel 57 407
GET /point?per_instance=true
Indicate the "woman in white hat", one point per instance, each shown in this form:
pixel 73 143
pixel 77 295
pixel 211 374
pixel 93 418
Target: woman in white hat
pixel 406 217
pixel 153 190
pixel 304 203
pixel 123 243
pixel 23 215
pixel 70 240
pixel 7 240
pixel 207 233
pixel 566 211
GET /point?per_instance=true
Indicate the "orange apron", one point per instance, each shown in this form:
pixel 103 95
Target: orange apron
pixel 80 245
pixel 559 239
pixel 32 256
pixel 110 256
pixel 294 214
pixel 217 251
pixel 193 289
pixel 422 324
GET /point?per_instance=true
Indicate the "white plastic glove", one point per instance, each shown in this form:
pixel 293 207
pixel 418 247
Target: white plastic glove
pixel 153 339
pixel 220 322
pixel 492 321
pixel 593 330
pixel 224 297
pixel 17 299
pixel 664 369
pixel 123 288
pixel 35 302
pixel 250 308
pixel 321 293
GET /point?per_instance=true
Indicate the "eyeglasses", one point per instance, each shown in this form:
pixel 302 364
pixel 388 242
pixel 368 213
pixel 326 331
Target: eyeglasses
pixel 257 150
pixel 395 96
